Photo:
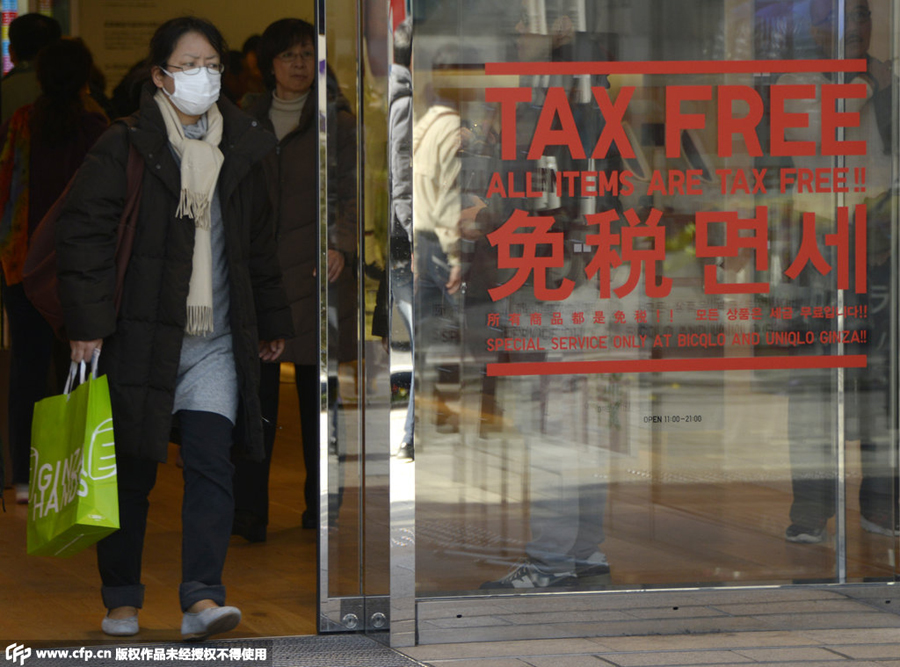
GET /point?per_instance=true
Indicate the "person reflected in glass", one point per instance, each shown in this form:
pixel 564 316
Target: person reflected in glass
pixel 812 394
pixel 400 123
pixel 202 303
pixel 566 472
pixel 287 59
pixel 437 214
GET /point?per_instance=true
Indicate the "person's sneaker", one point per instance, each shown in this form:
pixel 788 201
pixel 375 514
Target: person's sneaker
pixel 804 534
pixel 594 570
pixel 881 525
pixel 527 575
pixel 407 452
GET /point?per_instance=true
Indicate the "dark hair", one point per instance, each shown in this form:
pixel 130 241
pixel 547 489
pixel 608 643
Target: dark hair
pixel 126 97
pixel 63 69
pixel 234 62
pixel 403 37
pixel 250 44
pixel 166 37
pixel 279 37
pixel 30 33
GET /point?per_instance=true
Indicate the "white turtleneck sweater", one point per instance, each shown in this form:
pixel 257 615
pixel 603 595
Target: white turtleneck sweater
pixel 285 114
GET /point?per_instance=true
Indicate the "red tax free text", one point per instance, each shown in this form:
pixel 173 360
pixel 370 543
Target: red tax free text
pixel 556 124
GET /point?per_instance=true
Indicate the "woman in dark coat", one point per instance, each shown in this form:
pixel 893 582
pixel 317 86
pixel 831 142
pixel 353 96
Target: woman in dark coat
pixel 202 302
pixel 287 59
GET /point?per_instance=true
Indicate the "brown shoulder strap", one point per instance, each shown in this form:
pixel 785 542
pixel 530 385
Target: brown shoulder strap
pixel 134 174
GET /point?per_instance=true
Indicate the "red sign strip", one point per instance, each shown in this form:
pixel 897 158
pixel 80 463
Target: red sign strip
pixel 676 67
pixel 673 365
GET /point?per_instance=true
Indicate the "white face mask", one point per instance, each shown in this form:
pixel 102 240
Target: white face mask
pixel 195 93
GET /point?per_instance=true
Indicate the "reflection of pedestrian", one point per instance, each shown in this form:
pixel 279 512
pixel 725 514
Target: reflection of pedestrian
pixel 567 486
pixel 437 210
pixel 44 144
pixel 400 178
pixel 868 389
pixel 202 303
pixel 813 393
pixel 812 404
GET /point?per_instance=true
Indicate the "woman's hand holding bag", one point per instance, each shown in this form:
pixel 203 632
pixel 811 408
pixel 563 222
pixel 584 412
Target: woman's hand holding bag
pixel 73 495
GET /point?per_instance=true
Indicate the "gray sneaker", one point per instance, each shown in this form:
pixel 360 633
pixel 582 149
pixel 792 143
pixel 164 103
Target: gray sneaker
pixel 527 575
pixel 594 570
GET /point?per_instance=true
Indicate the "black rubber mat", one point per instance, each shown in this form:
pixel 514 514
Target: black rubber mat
pixel 337 651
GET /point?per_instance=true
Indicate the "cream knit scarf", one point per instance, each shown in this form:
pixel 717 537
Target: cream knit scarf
pixel 201 161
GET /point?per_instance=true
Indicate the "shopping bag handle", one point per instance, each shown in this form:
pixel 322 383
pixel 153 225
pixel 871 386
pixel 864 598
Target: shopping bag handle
pixel 79 368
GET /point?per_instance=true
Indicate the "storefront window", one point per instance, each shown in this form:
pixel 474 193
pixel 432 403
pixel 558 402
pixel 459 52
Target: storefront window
pixel 654 325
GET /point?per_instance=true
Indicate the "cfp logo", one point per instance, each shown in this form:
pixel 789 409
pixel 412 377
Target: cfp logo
pixel 18 652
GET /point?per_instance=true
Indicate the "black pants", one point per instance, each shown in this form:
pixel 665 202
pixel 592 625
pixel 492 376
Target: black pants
pixel 206 516
pixel 31 350
pixel 251 479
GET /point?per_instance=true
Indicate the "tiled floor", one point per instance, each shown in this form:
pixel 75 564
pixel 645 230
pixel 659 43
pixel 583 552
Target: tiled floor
pixel 860 626
pixel 879 646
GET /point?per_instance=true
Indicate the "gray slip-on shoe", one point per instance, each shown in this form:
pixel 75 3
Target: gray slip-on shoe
pixel 120 627
pixel 212 621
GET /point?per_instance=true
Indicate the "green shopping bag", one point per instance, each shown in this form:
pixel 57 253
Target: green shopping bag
pixel 72 497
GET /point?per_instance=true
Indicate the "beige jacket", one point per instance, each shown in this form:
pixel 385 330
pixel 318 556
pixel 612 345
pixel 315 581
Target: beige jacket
pixel 436 167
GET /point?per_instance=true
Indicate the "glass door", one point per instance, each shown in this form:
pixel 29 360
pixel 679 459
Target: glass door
pixel 655 295
pixel 652 333
pixel 357 378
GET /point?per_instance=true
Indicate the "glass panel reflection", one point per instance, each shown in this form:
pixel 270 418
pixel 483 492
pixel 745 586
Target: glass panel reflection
pixel 340 504
pixel 653 302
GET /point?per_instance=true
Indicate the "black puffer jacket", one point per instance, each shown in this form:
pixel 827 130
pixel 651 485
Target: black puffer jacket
pixel 141 347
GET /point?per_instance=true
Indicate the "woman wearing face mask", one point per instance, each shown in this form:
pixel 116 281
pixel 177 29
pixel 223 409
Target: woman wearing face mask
pixel 202 302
